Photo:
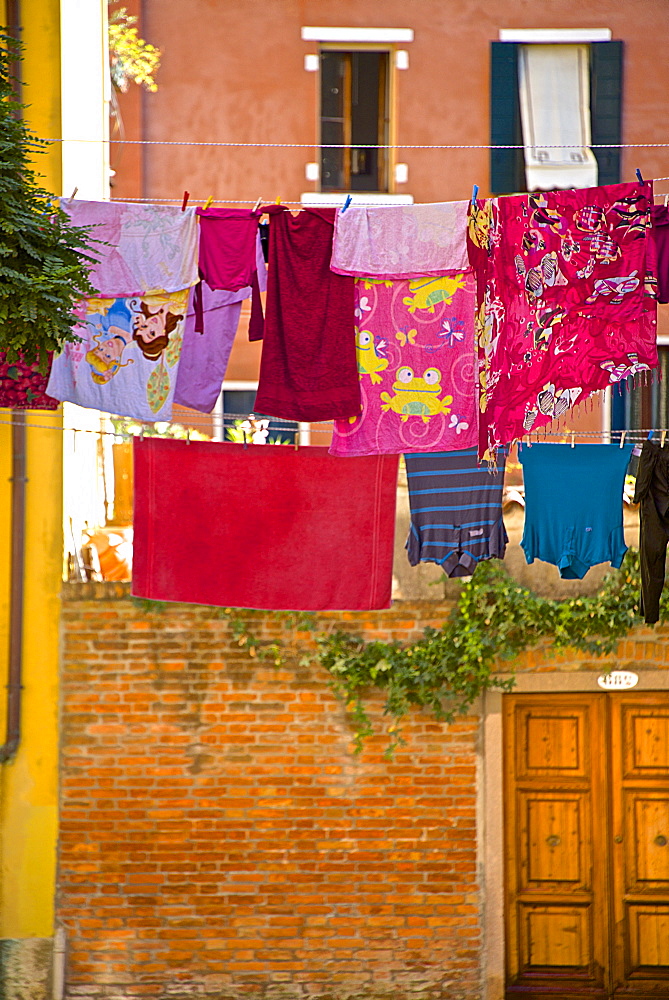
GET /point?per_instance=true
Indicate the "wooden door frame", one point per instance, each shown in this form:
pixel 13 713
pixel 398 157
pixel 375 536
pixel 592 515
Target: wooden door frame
pixel 490 801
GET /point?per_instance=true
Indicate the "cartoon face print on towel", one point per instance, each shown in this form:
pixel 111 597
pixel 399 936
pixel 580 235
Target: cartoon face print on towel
pixel 127 359
pixel 416 364
pixel 567 305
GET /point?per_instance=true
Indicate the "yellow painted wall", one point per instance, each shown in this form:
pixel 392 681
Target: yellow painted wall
pixel 29 783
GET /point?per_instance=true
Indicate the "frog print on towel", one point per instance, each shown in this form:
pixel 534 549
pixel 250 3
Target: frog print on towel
pixel 416 395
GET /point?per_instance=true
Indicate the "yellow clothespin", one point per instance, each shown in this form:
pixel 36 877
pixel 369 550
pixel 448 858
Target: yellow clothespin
pixel 662 438
pixel 278 201
pixel 208 202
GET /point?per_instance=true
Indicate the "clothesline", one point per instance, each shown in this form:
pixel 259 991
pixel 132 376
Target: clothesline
pixel 247 201
pixel 282 426
pixel 333 145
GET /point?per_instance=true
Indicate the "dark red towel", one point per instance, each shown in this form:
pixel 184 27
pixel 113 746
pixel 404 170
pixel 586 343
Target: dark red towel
pixel 309 368
pixel 262 527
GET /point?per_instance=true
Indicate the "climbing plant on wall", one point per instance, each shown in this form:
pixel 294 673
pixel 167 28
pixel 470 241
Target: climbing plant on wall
pixel 494 620
pixel 43 260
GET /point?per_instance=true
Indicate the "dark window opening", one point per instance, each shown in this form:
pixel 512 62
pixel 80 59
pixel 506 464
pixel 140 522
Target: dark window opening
pixel 354 113
pixel 239 403
pixel 641 402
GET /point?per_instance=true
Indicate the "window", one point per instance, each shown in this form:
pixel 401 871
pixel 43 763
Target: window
pixel 236 402
pixel 641 406
pixel 602 93
pixel 554 85
pixel 354 112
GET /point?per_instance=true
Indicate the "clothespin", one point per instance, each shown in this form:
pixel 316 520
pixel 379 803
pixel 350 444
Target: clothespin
pixel 208 202
pixel 650 435
pixel 185 201
pixel 622 438
pixel 278 201
pixel 666 200
pixel 257 205
pixel 348 201
pixel 662 438
pixel 475 193
pixel 188 435
pixel 141 433
pixel 72 196
pixel 638 176
pixel 573 439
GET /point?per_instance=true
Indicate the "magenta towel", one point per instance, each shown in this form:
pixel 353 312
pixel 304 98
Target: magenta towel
pixel 265 526
pixel 231 259
pixel 660 215
pixel 308 369
pixel 567 296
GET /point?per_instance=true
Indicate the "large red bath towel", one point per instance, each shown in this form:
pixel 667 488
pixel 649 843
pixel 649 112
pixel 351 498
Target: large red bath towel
pixel 262 527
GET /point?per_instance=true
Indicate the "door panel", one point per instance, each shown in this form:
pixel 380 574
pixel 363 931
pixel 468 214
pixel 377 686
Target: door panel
pixel 551 828
pixel 555 936
pixel 639 756
pixel 556 920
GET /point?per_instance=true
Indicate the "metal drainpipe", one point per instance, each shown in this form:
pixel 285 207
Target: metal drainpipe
pixel 14 685
pixel 18 480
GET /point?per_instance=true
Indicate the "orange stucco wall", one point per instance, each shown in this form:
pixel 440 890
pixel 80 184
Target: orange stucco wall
pixel 235 72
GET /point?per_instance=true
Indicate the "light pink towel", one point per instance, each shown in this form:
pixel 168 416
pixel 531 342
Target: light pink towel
pixel 417 367
pixel 150 248
pixel 401 241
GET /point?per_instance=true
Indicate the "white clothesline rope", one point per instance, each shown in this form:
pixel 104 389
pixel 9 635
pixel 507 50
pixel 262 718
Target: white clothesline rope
pixel 346 145
pixel 320 427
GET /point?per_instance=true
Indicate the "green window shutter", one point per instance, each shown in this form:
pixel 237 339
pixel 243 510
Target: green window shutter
pixel 606 69
pixel 507 172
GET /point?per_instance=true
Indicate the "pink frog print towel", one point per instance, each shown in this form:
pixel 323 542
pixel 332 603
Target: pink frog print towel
pixel 567 301
pixel 416 364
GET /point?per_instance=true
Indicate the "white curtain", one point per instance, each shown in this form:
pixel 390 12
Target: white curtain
pixel 554 87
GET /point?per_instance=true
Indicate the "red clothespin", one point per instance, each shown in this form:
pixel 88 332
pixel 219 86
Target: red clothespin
pixel 185 201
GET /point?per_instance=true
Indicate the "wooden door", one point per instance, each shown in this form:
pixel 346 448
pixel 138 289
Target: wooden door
pixel 587 845
pixel 640 852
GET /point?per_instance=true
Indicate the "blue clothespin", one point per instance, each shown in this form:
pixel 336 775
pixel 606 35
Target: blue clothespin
pixel 348 201
pixel 639 177
pixel 650 435
pixel 475 193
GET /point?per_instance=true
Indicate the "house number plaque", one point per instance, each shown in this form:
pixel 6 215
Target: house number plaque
pixel 618 680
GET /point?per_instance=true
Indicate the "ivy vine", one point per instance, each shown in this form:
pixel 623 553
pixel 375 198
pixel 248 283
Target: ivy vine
pixel 493 621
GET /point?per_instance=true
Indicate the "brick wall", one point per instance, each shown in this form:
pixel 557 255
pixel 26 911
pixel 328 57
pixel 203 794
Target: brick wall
pixel 219 837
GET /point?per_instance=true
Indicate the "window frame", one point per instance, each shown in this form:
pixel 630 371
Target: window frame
pixel 388 155
pixel 507 168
